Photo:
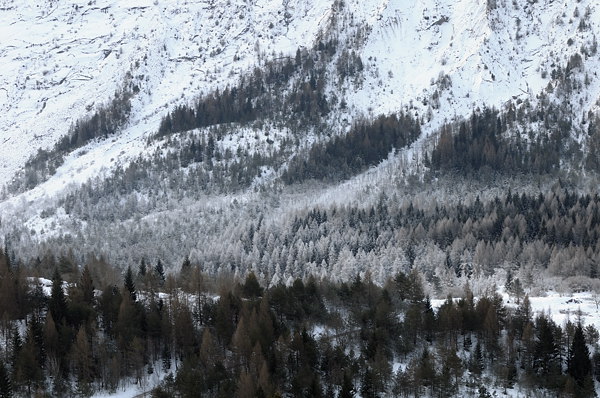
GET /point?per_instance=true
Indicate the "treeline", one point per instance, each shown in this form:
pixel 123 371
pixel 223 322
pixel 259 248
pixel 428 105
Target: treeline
pixel 289 89
pixel 367 144
pixel 305 338
pixel 525 138
pixel 105 121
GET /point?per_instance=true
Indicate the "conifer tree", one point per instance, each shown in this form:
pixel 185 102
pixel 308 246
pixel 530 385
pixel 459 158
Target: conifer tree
pixel 579 365
pixel 83 360
pixel 7 257
pixel 5 383
pixel 130 285
pixel 58 303
pixel 160 272
pixel 15 346
pixel 347 390
pixel 142 270
pixel 476 366
pixel 87 286
pixel 251 287
pixel 186 265
pixel 546 353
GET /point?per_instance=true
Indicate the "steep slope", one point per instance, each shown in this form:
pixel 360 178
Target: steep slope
pixel 442 58
pixel 61 60
pixel 436 61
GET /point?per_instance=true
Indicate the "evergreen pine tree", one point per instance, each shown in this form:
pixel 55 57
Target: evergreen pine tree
pixel 130 285
pixel 58 303
pixel 347 390
pixel 166 358
pixel 579 365
pixel 251 287
pixel 160 272
pixel 476 365
pixel 7 257
pixel 5 384
pixel 368 388
pixel 546 353
pixel 143 268
pixel 15 347
pixel 186 265
pixel 87 286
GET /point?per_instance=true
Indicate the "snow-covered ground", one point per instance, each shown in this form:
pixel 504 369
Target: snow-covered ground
pixel 561 307
pixel 126 392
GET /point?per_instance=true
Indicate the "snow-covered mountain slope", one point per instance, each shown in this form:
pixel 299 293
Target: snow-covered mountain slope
pixel 437 59
pixel 61 60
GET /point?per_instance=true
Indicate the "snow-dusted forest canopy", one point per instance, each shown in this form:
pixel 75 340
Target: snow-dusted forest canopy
pixel 189 334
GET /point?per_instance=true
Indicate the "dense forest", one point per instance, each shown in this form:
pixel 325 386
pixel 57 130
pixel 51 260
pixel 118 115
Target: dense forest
pixel 366 144
pixel 553 234
pixel 232 337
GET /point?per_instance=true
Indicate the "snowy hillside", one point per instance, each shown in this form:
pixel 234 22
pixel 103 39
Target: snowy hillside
pixel 433 60
pixel 62 60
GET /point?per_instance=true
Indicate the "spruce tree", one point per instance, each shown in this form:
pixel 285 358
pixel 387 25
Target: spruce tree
pixel 7 257
pixel 367 388
pixel 546 352
pixel 347 390
pixel 5 384
pixel 476 365
pixel 579 365
pixel 15 347
pixel 58 303
pixel 130 285
pixel 143 268
pixel 186 265
pixel 87 286
pixel 160 272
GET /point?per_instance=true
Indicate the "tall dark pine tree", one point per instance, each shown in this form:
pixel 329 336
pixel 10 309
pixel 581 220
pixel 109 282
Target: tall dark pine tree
pixel 87 286
pixel 579 365
pixel 58 303
pixel 347 390
pixel 15 347
pixel 546 352
pixel 129 285
pixel 160 272
pixel 143 268
pixel 7 256
pixel 5 384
